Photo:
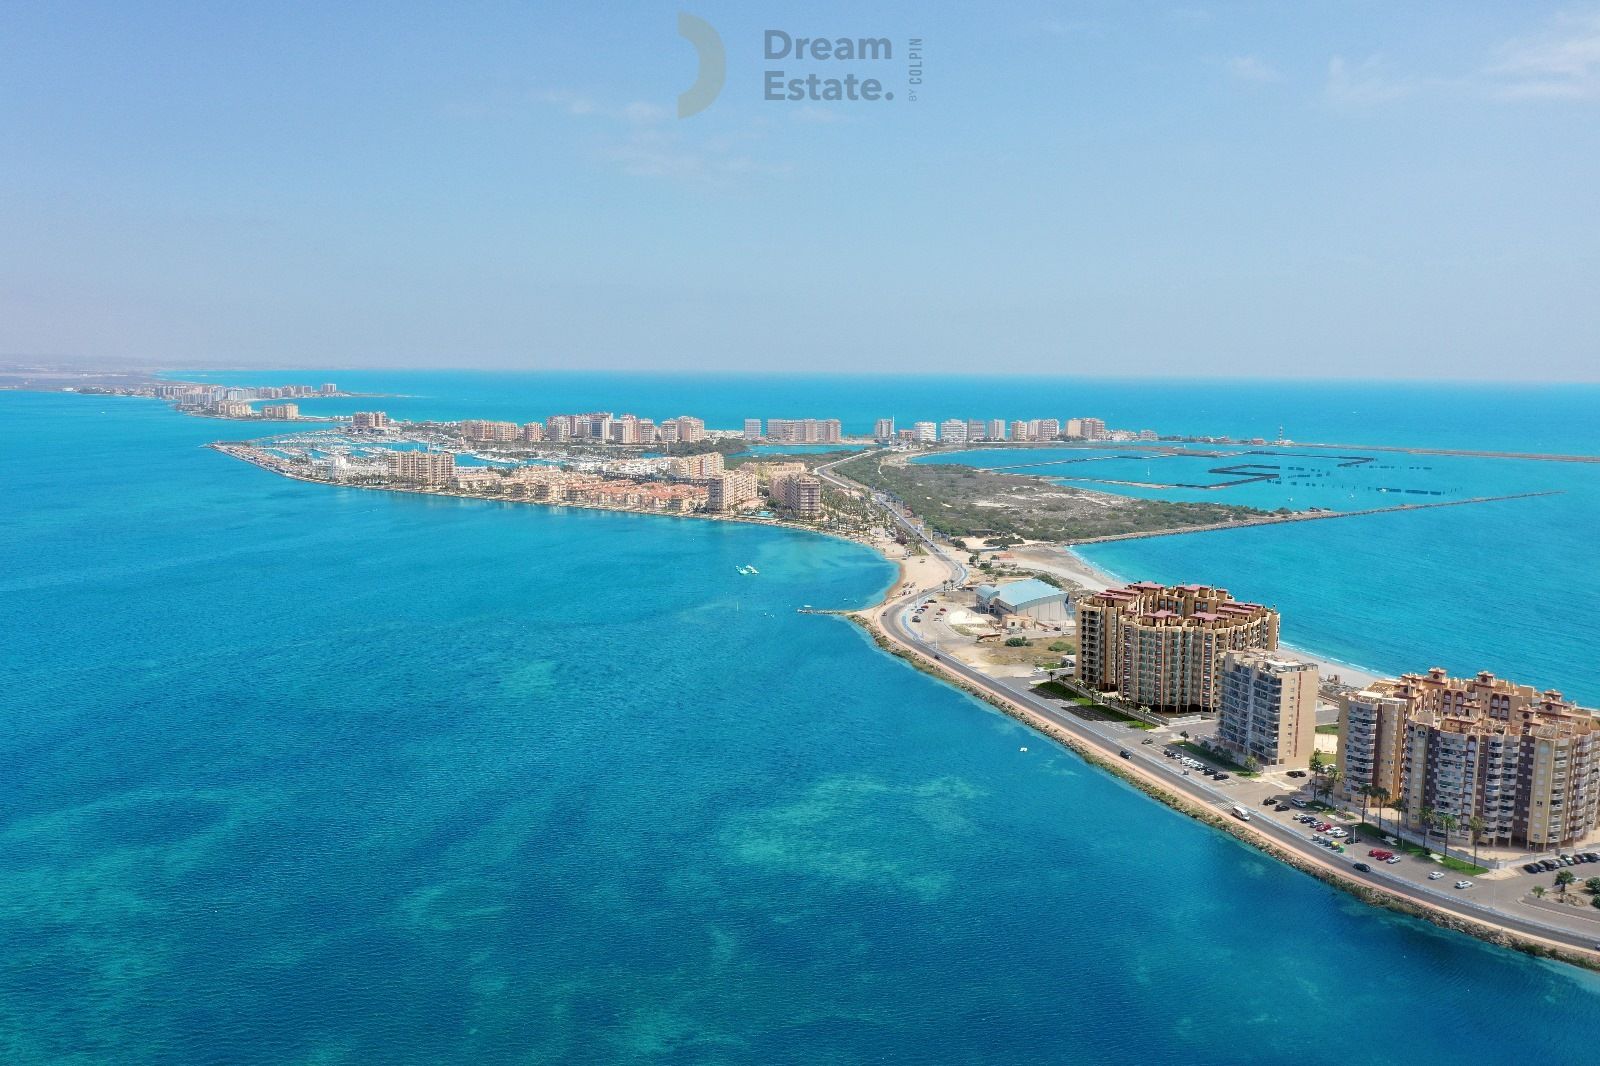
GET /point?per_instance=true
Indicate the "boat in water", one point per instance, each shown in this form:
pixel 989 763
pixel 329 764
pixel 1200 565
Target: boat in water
pixel 747 569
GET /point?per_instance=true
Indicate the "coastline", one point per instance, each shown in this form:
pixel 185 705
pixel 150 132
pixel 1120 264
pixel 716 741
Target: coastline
pixel 1100 752
pixel 918 573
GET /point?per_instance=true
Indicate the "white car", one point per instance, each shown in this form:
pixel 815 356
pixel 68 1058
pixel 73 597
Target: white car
pixel 1436 875
pixel 1391 860
pixel 1337 832
pixel 1463 884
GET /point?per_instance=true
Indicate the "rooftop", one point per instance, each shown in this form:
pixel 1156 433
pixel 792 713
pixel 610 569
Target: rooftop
pixel 1027 591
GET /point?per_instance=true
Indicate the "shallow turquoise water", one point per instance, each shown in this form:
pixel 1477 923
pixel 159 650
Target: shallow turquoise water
pixel 297 774
pixel 1476 587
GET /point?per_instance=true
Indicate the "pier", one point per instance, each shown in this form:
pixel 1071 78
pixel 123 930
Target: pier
pixel 1308 516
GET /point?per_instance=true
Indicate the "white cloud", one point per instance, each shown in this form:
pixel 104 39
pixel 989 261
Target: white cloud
pixel 640 112
pixel 657 153
pixel 1365 83
pixel 1250 68
pixel 1560 63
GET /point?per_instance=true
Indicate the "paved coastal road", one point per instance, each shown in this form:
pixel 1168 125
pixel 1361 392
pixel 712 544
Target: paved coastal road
pixel 1284 835
pixel 893 617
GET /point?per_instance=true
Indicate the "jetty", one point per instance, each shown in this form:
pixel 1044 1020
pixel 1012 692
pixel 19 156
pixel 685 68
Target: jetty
pixel 1307 516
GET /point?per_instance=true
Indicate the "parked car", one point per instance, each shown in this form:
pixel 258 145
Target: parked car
pixel 1391 860
pixel 1533 868
pixel 1547 865
pixel 1297 773
pixel 1220 776
pixel 1300 803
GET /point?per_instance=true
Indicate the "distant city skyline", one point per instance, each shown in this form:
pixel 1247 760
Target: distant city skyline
pixel 1189 190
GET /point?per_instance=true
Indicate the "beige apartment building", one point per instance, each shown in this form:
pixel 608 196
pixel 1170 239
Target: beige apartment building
pixel 800 493
pixel 730 490
pixel 1525 762
pixel 1162 647
pixel 369 421
pixel 1268 710
pixel 427 468
pixel 282 412
pixel 698 467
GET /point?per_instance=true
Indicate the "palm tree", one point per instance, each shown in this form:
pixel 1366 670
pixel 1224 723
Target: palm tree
pixel 1402 808
pixel 1332 775
pixel 1477 825
pixel 1565 878
pixel 1447 824
pixel 1366 794
pixel 1426 815
pixel 1381 795
pixel 1538 892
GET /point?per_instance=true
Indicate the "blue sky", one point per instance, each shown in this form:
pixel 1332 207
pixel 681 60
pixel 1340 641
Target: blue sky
pixel 1287 189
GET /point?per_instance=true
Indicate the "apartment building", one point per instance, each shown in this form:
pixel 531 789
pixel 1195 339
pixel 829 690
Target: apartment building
pixel 698 467
pixel 730 490
pixel 926 432
pixel 1524 761
pixel 752 429
pixel 883 429
pixel 1268 710
pixel 996 429
pixel 482 430
pixel 533 432
pixel 282 412
pixel 369 422
pixel 1163 647
pixel 800 493
pixel 953 431
pixel 426 468
pixel 690 429
pixel 805 430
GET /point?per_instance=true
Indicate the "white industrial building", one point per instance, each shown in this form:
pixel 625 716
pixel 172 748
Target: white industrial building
pixel 1030 598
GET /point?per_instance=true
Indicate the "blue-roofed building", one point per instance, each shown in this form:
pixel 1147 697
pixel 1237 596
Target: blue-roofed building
pixel 1030 598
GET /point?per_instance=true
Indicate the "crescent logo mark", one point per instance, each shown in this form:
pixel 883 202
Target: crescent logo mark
pixel 713 64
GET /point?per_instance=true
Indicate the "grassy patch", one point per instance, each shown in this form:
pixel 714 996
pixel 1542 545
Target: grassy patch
pixel 1368 831
pixel 1328 730
pixel 1212 757
pixel 1086 708
pixel 963 501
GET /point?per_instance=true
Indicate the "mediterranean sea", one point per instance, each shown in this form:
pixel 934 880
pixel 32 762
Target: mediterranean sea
pixel 296 774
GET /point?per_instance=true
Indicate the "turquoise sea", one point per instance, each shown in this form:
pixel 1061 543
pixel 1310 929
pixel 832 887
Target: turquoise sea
pixel 304 775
